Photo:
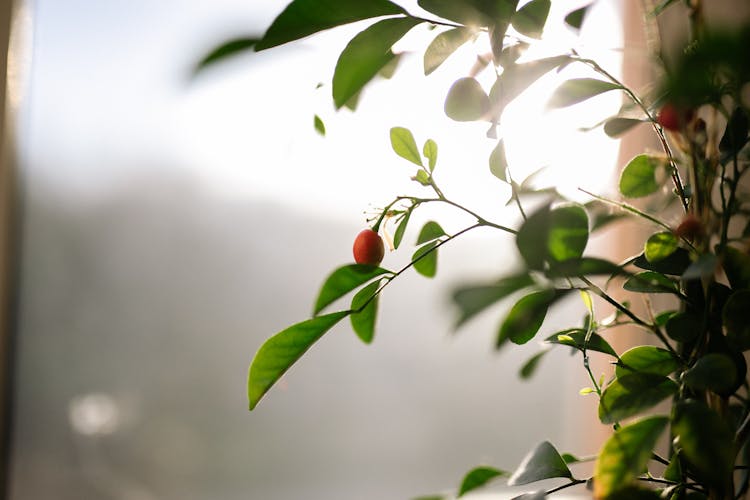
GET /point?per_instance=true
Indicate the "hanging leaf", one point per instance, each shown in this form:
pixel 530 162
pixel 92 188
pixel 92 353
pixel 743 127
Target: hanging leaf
pixel 430 151
pixel 578 90
pixel 343 280
pixel 615 127
pixel 430 231
pixel 366 54
pixel 224 51
pixel 568 232
pixel 531 237
pixel 638 179
pixel 529 20
pixel 363 322
pixel 401 229
pixel 625 455
pixel 650 282
pixel 684 326
pixel 498 162
pixel 543 462
pixel 714 372
pixel 646 359
pixel 632 394
pixel 659 246
pixel 304 17
pixel 575 19
pixel 466 100
pixel 527 315
pixel 471 300
pixel 319 125
pixel 478 477
pixel 425 259
pixel 576 338
pixel 404 145
pixel 443 45
pixel 529 367
pixel 280 352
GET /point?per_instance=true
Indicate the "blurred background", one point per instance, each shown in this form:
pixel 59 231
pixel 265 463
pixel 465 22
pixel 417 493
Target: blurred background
pixel 173 220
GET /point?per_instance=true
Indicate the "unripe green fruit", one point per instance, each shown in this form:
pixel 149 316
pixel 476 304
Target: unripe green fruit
pixel 466 100
pixel 368 248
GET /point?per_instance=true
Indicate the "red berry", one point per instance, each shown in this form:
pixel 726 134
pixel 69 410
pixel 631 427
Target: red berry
pixel 673 118
pixel 368 248
pixel 690 228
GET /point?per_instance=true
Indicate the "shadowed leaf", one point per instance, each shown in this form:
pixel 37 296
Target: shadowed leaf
pixel 543 462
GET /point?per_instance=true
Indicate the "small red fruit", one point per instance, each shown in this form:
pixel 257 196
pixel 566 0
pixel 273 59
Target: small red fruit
pixel 673 118
pixel 690 228
pixel 368 248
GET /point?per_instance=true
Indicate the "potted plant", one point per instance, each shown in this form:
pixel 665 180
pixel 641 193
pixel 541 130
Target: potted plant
pixel 698 109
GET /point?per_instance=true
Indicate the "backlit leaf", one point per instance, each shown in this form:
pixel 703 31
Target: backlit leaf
pixel 660 245
pixel 443 45
pixel 650 282
pixel 576 338
pixel 498 161
pixel 343 280
pixel 527 315
pixel 404 145
pixel 530 19
pixel 638 178
pixel 577 90
pixel 632 394
pixel 568 232
pixel 646 359
pixel 319 125
pixel 401 229
pixel 430 151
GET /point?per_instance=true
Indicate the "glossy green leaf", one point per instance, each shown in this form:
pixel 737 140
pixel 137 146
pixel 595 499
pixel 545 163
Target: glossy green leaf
pixel 646 359
pixel 529 367
pixel 430 151
pixel 529 20
pixel 430 231
pixel 498 162
pixel 280 352
pixel 632 394
pixel 526 316
pixel 684 326
pixel 638 178
pixel 471 300
pixel 366 54
pixel 478 477
pixel 531 235
pixel 226 50
pixel 577 90
pixel 735 316
pixel 320 127
pixel 425 259
pixel 443 45
pixel 404 145
pixel 304 17
pixel 343 280
pixel 659 246
pixel 705 441
pixel 466 100
pixel 737 267
pixel 583 266
pixel 650 282
pixel 576 338
pixel 398 236
pixel 363 322
pixel 625 455
pixel 615 127
pixel 714 372
pixel 574 19
pixel 568 232
pixel 543 462
pixel 674 264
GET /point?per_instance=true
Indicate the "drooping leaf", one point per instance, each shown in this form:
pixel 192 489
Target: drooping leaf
pixel 478 477
pixel 304 17
pixel 659 246
pixel 529 20
pixel 684 326
pixel 404 145
pixel 466 100
pixel 401 229
pixel 529 367
pixel 320 127
pixel 366 54
pixel 471 300
pixel 625 455
pixel 430 231
pixel 531 237
pixel 714 371
pixel 568 232
pixel 615 127
pixel 363 322
pixel 646 359
pixel 650 282
pixel 735 317
pixel 674 264
pixel 425 259
pixel 226 50
pixel 280 352
pixel 527 315
pixel 576 338
pixel 705 441
pixel 577 90
pixel 430 151
pixel 443 45
pixel 574 19
pixel 638 178
pixel 632 394
pixel 343 280
pixel 498 161
pixel 543 462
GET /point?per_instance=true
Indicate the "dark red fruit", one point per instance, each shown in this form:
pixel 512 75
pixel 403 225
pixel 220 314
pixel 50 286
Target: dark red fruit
pixel 368 248
pixel 690 228
pixel 673 118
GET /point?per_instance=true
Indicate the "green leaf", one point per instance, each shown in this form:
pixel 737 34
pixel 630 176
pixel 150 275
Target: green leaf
pixel 343 280
pixel 735 316
pixel 650 282
pixel 568 232
pixel 543 462
pixel 674 264
pixel 526 316
pixel 530 366
pixel 737 267
pixel 478 477
pixel 471 300
pixel 443 45
pixel 660 245
pixel 646 359
pixel 576 338
pixel 430 151
pixel 404 145
pixel 529 20
pixel 625 455
pixel 366 54
pixel 577 90
pixel 401 229
pixel 633 393
pixel 638 179
pixel 422 177
pixel 705 440
pixel 425 259
pixel 363 322
pixel 227 49
pixel 575 19
pixel 531 238
pixel 583 266
pixel 673 472
pixel 714 372
pixel 468 12
pixel 304 17
pixel 684 326
pixel 466 100
pixel 319 125
pixel 615 127
pixel 280 352
pixel 498 161
pixel 430 231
